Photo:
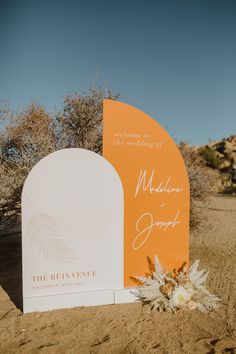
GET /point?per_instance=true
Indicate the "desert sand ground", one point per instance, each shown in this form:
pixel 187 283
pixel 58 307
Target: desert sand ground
pixel 130 328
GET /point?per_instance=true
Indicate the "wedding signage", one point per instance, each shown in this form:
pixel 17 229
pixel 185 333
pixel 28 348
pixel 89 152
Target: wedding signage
pixel 156 188
pixel 90 222
pixel 72 232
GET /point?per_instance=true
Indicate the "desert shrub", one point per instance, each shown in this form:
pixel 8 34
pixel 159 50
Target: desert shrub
pixel 202 183
pixel 80 121
pixel 29 135
pixel 25 138
pixel 210 156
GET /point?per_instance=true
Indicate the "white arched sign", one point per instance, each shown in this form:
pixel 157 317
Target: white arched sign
pixel 72 231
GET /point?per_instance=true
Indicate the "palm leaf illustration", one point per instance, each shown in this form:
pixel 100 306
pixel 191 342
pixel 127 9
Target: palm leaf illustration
pixel 46 239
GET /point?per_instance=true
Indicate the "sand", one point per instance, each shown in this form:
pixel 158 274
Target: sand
pixel 130 328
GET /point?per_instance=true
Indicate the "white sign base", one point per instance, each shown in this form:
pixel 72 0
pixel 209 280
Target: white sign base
pixel 82 298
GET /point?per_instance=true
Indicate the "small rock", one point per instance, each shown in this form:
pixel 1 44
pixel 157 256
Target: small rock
pixel 224 164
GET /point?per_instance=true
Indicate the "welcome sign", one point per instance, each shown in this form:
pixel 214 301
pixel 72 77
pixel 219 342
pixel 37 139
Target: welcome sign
pixel 156 188
pixel 88 222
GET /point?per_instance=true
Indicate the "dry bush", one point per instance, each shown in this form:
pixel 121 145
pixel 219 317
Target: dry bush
pixel 80 122
pixel 202 183
pixel 28 136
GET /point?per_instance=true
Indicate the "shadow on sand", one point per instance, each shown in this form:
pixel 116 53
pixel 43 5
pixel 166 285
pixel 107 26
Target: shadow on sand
pixel 11 267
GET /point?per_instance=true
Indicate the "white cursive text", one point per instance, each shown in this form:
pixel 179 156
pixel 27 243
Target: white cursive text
pixel 144 232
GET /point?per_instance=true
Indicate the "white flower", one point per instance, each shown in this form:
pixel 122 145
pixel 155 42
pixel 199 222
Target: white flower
pixel 180 296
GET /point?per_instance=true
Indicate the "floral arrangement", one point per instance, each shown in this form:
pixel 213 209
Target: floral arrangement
pixel 180 289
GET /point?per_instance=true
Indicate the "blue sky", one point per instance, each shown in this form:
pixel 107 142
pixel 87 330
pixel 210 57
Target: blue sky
pixel 175 60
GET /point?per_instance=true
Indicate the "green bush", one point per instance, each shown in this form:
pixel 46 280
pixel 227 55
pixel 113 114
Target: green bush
pixel 210 156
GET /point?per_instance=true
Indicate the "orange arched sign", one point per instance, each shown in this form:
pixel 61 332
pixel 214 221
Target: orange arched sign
pixel 156 188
